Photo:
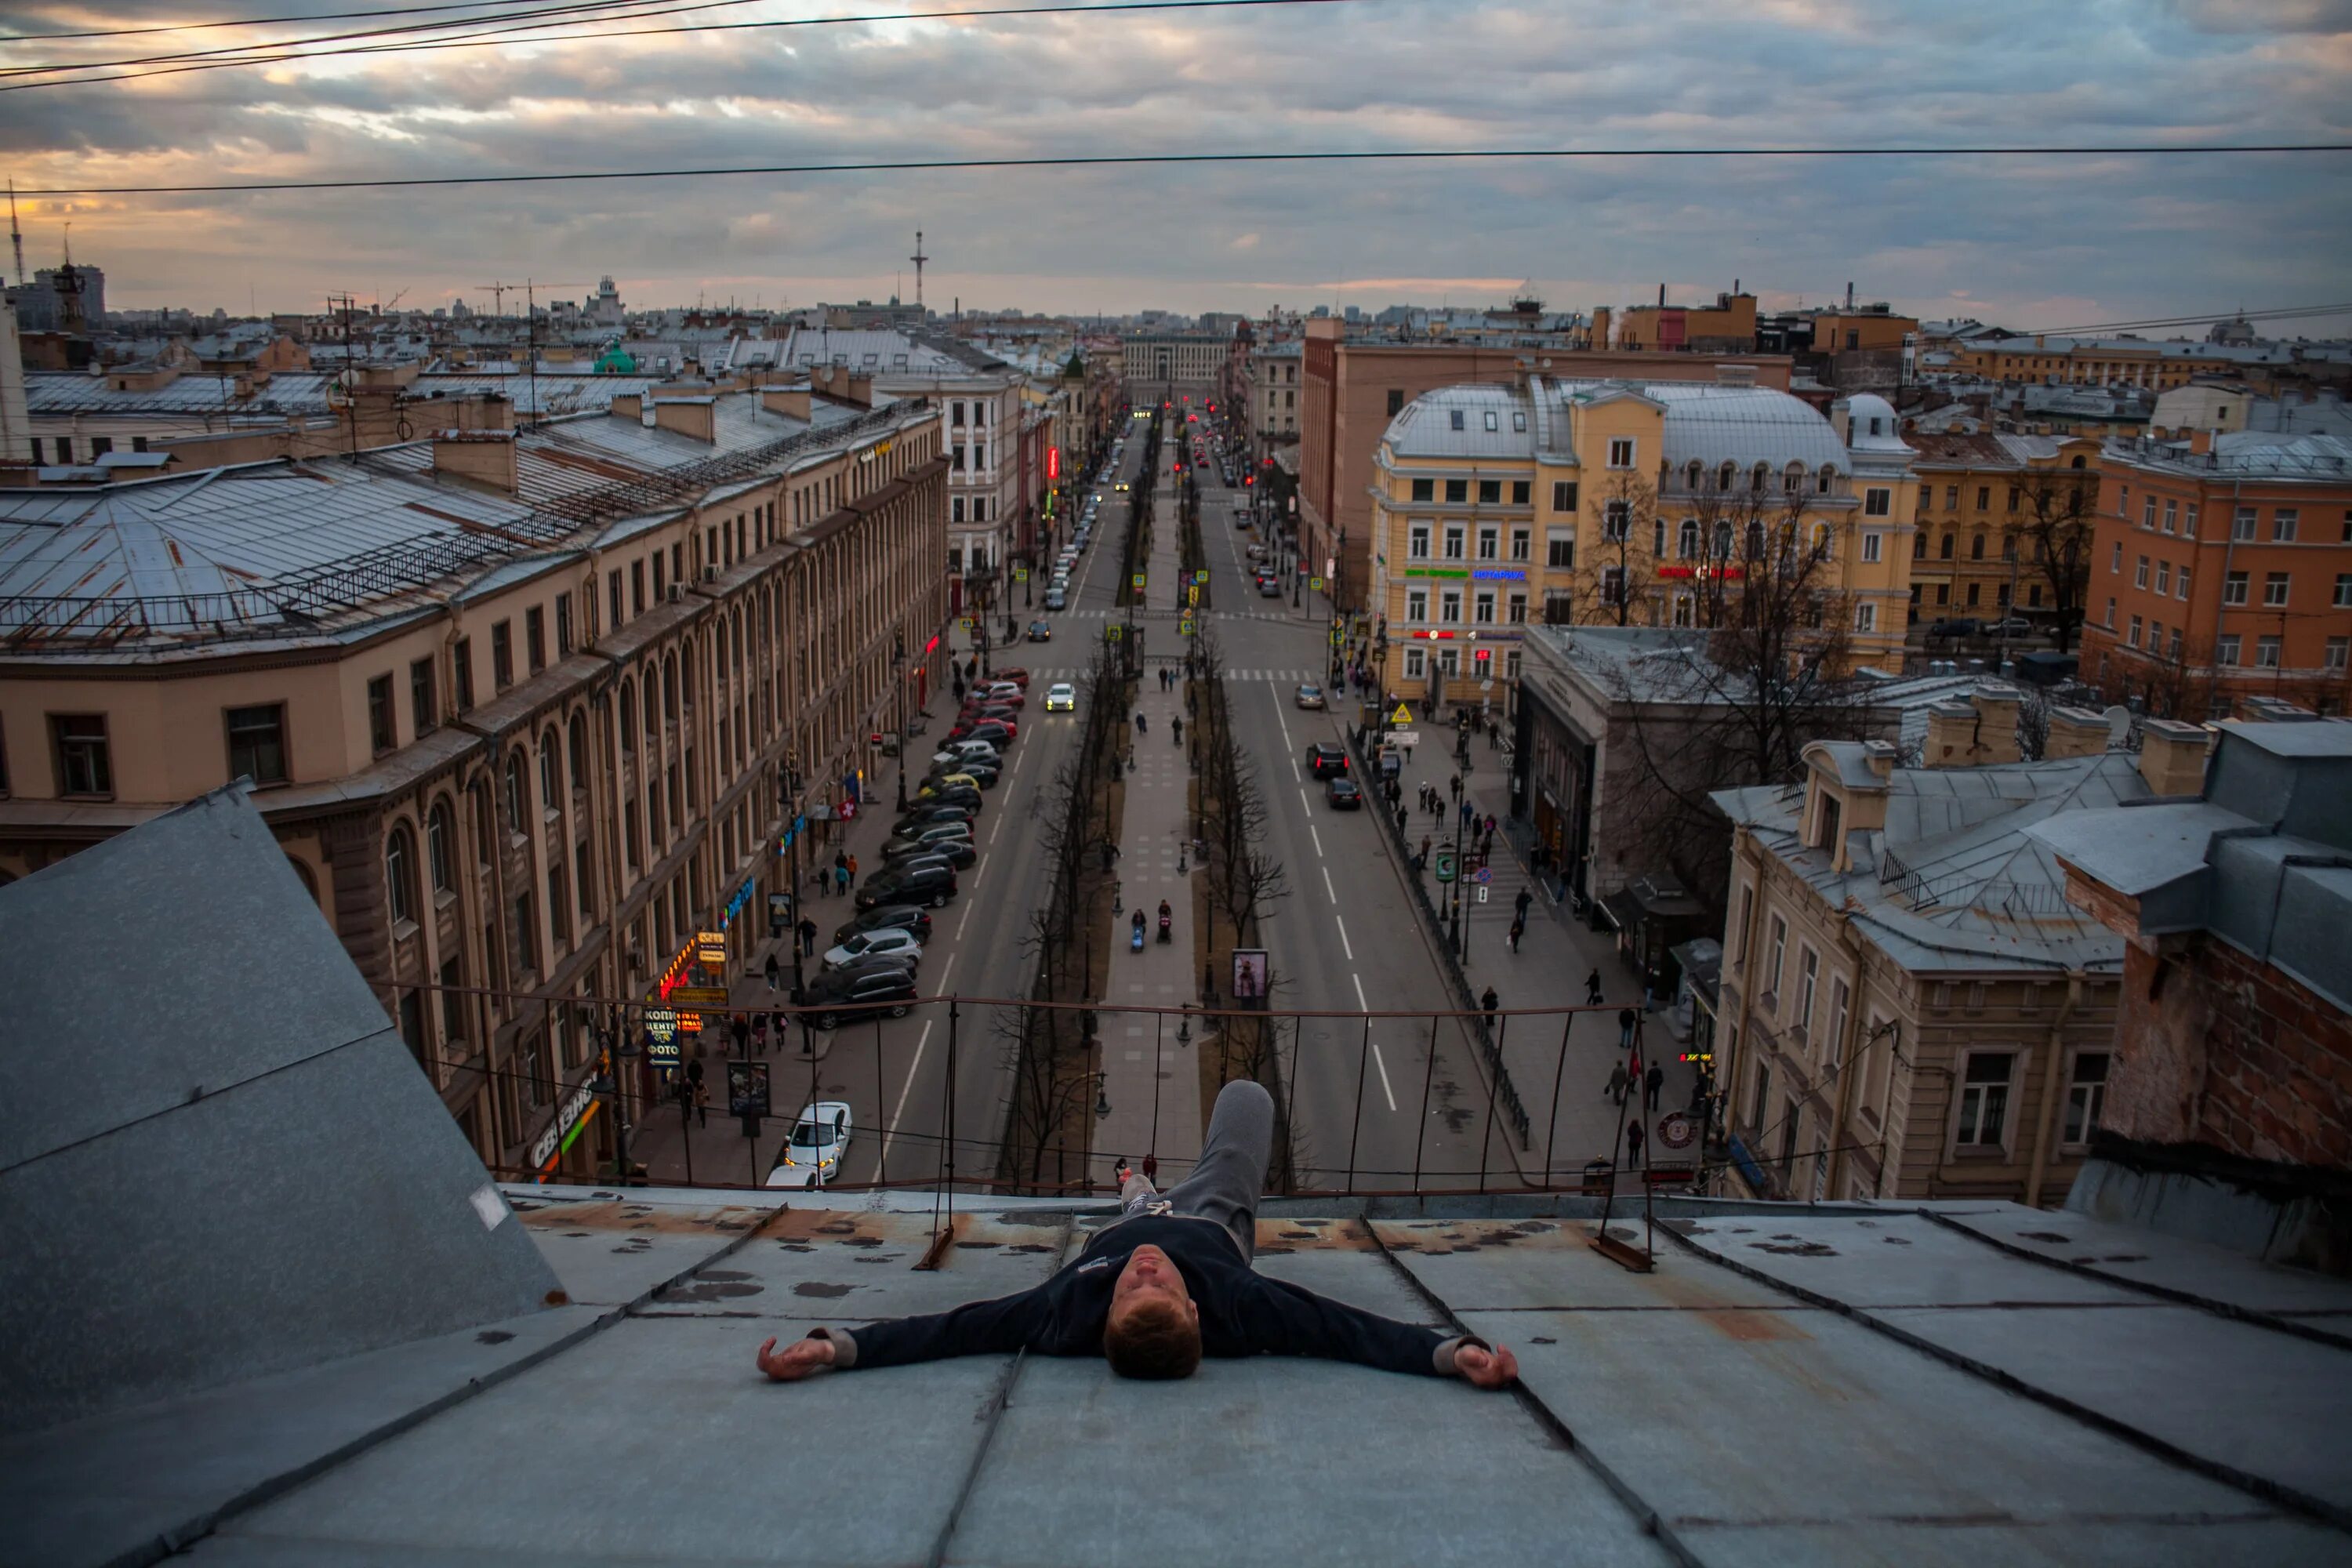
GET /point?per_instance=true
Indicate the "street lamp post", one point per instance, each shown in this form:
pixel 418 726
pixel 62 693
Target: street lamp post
pixel 1453 936
pixel 898 669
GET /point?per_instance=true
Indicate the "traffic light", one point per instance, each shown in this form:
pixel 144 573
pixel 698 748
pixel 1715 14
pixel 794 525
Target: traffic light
pixel 1249 478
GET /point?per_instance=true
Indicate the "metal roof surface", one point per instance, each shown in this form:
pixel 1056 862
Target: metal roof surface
pixel 1704 423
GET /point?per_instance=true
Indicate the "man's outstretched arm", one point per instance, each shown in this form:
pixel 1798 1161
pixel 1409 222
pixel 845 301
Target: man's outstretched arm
pixel 977 1328
pixel 1284 1319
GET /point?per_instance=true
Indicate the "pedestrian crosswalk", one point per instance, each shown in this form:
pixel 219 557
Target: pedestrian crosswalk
pixel 1279 676
pixel 1159 612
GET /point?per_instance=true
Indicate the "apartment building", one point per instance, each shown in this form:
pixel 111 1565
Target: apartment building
pixel 1552 501
pixel 1727 326
pixel 1910 1007
pixel 527 712
pixel 1270 391
pixel 2003 520
pixel 2222 569
pixel 1168 365
pixel 2156 363
pixel 1350 390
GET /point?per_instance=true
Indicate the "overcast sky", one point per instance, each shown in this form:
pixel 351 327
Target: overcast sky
pixel 2029 242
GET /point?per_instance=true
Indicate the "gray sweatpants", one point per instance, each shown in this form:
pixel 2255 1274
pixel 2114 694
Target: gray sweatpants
pixel 1225 1185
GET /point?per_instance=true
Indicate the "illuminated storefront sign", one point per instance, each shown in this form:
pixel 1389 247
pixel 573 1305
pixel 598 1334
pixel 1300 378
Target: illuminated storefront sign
pixel 710 949
pixel 570 1118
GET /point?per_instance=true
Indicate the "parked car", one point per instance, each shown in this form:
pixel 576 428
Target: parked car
pixel 2008 626
pixel 1310 696
pixel 949 795
pixel 950 779
pixel 1959 626
pixel 1017 674
pixel 1342 794
pixel 1325 758
pixel 956 852
pixel 997 732
pixel 861 988
pixel 1005 691
pixel 926 814
pixel 1061 697
pixel 1256 551
pixel 888 917
pixel 981 771
pixel 967 751
pixel 1055 599
pixel 938 832
pixel 813 1154
pixel 932 885
pixel 890 943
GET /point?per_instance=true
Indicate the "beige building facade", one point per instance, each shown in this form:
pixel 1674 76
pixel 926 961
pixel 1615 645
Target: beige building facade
pixel 527 712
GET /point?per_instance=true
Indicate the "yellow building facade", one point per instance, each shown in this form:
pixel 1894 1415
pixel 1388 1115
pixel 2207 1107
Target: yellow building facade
pixel 1560 502
pixel 1990 508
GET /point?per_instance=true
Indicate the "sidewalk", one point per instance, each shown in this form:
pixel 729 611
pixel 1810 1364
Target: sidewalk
pixel 1148 1075
pixel 1556 954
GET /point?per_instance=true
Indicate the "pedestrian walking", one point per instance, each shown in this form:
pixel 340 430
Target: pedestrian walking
pixel 808 937
pixel 1616 1090
pixel 1654 1080
pixel 1626 1019
pixel 1151 1167
pixel 1487 1004
pixel 1494 736
pixel 1633 1145
pixel 1490 825
pixel 841 880
pixel 772 973
pixel 760 1033
pixel 1522 901
pixel 741 1030
pixel 1422 859
pixel 1401 818
pixel 1593 989
pixel 852 863
pixel 839 861
pixel 1519 929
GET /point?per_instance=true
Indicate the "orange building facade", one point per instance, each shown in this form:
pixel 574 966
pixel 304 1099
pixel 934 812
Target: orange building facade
pixel 2222 570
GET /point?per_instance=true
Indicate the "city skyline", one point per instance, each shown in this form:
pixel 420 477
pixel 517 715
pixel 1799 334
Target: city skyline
pixel 2027 241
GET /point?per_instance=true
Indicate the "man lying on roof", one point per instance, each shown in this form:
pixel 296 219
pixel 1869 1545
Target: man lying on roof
pixel 1163 1286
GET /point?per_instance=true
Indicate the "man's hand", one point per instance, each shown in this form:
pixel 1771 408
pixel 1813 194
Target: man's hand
pixel 1481 1368
pixel 796 1361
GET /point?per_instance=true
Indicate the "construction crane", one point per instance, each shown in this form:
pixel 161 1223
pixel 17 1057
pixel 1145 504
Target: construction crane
pixel 385 307
pixel 499 291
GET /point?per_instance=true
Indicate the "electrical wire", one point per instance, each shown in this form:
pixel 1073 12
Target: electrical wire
pixel 264 21
pixel 490 37
pixel 2278 314
pixel 1138 160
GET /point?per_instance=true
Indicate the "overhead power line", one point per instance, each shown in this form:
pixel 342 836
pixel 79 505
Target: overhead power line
pixel 284 50
pixel 2283 313
pixel 264 21
pixel 1133 159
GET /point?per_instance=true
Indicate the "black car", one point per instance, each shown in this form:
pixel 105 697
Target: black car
pixel 1325 758
pixel 950 794
pixel 1270 588
pixel 1342 794
pixel 888 917
pixel 986 730
pixel 1962 627
pixel 982 772
pixel 925 814
pixel 860 988
pixel 932 885
pixel 956 852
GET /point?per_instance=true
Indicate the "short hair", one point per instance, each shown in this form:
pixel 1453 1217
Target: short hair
pixel 1155 1338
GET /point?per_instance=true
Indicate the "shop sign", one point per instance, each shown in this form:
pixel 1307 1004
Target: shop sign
pixel 557 1138
pixel 710 949
pixel 713 997
pixel 662 1047
pixel 735 905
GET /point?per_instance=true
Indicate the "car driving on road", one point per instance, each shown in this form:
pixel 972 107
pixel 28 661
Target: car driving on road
pixel 933 885
pixel 1061 698
pixel 1341 794
pixel 1310 696
pixel 811 1156
pixel 1325 758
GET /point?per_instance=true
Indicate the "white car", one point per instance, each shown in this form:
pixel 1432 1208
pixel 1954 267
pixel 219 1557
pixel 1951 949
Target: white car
pixel 1061 698
pixel 887 942
pixel 819 1142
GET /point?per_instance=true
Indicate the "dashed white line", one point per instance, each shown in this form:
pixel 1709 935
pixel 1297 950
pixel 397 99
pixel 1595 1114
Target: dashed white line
pixel 1346 946
pixel 968 907
pixel 1329 891
pixel 1361 1005
pixel 892 1131
pixel 1319 840
pixel 1380 1062
pixel 1281 718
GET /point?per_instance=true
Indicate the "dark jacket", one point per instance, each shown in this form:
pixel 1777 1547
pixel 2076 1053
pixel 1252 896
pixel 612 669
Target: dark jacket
pixel 1242 1312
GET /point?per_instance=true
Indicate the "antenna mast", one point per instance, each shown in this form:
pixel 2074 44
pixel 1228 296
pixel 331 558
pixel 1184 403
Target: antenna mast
pixel 918 258
pixel 16 235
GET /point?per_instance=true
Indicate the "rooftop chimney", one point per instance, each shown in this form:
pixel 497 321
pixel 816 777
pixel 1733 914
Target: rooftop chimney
pixel 793 401
pixel 629 406
pixel 2172 757
pixel 2075 733
pixel 484 459
pixel 694 416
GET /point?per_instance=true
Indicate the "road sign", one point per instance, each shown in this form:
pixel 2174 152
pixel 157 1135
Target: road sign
pixel 1185 626
pixel 1020 574
pixel 1482 892
pixel 1138 582
pixel 1315 584
pixel 1404 715
pixel 1445 863
pixel 1113 633
pixel 964 622
pixel 1676 1129
pixel 1483 875
pixel 1201 575
pixel 1192 594
pixel 1407 738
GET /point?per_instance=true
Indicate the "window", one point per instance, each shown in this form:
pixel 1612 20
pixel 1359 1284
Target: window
pixel 1620 452
pixel 2171 509
pixel 1416 664
pixel 1563 499
pixel 1984 1099
pixel 2086 1095
pixel 461 665
pixel 525 934
pixel 501 656
pixel 2233 587
pixel 384 729
pixel 1520 541
pixel 1449 606
pixel 1763 1095
pixel 637 588
pixel 2334 655
pixel 1976 545
pixel 1458 491
pixel 1877 502
pixel 1453 541
pixel 2343 590
pixel 1870 545
pixel 1658 538
pixel 1490 492
pixel 453 1002
pixel 2242 523
pixel 2110 622
pixel 1454 418
pixel 1616 519
pixel 563 625
pixel 1944 549
pixel 518 803
pixel 399 866
pixel 1612 584
pixel 1776 949
pixel 1425 490
pixel 1417 543
pixel 1865 616
pixel 1809 974
pixel 1490 544
pixel 1518 611
pixel 2116 561
pixel 2147 513
pixel 2132 637
pixel 1686 539
pixel 2225 649
pixel 1560 548
pixel 1492 423
pixel 420 696
pixel 2275 584
pixel 535 637
pixel 2283 521
pixel 1482 607
pixel 1396 401
pixel 551 773
pixel 438 831
pixel 2140 573
pixel 1840 1004
pixel 256 743
pixel 559 907
pixel 1520 487
pixel 2266 653
pixel 613 596
pixel 1416 604
pixel 2163 577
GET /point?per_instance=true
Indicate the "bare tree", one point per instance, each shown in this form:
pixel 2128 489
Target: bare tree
pixel 2181 682
pixel 1628 511
pixel 2057 534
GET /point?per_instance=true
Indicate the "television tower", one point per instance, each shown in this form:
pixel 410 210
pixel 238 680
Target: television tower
pixel 918 258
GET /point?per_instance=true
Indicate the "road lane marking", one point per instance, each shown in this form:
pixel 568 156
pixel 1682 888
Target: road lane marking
pixel 1345 945
pixel 1319 840
pixel 1329 891
pixel 1281 718
pixel 891 1131
pixel 1361 1005
pixel 1381 1062
pixel 1302 793
pixel 967 907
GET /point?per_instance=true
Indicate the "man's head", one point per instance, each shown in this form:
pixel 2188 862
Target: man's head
pixel 1154 1328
